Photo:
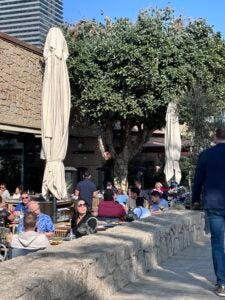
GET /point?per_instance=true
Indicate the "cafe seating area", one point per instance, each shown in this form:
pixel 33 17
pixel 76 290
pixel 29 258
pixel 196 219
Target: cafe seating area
pixel 62 234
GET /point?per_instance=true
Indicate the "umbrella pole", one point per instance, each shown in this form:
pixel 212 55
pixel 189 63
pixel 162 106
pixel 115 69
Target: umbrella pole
pixel 53 199
pixel 54 216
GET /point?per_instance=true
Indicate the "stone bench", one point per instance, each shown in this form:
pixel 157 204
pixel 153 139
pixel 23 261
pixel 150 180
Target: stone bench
pixel 95 267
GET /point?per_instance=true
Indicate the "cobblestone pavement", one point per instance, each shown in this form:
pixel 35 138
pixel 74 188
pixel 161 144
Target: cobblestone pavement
pixel 186 276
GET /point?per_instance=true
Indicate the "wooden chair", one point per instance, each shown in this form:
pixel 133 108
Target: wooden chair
pixel 61 232
pixel 3 252
pixel 3 233
pixel 13 227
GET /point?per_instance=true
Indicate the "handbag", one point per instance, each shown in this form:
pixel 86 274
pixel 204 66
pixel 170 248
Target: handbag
pixel 130 216
pixel 89 227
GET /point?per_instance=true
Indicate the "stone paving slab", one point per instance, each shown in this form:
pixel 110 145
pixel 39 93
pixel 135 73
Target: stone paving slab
pixel 186 276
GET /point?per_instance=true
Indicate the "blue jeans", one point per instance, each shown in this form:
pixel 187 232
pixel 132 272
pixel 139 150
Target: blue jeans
pixel 216 219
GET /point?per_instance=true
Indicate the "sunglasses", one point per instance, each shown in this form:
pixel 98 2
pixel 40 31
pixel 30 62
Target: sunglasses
pixel 33 211
pixel 25 197
pixel 82 205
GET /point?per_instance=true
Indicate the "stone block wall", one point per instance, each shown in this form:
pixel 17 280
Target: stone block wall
pixel 95 267
pixel 20 83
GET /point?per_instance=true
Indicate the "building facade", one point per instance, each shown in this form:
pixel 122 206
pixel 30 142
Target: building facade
pixel 21 76
pixel 30 20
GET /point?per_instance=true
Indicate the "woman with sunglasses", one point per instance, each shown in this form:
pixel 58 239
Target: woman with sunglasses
pixel 82 216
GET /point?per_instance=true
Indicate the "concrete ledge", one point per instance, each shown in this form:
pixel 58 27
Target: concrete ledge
pixel 96 266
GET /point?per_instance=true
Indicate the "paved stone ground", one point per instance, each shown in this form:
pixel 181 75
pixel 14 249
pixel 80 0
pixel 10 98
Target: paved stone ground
pixel 186 276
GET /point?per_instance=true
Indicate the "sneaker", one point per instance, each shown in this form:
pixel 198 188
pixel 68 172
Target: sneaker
pixel 220 290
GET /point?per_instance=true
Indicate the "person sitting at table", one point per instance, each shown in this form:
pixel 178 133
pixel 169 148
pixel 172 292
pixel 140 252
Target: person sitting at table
pixel 30 239
pixel 44 222
pixel 22 208
pixel 159 204
pixel 158 187
pixel 4 215
pixel 4 193
pixel 134 193
pixel 2 203
pixel 140 211
pixel 82 216
pixel 121 198
pixel 109 208
pixel 18 193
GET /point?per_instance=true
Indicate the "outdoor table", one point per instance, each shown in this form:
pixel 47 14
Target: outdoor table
pixel 55 241
pixel 11 203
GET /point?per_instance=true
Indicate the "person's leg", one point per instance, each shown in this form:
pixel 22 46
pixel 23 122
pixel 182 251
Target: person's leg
pixel 206 228
pixel 216 223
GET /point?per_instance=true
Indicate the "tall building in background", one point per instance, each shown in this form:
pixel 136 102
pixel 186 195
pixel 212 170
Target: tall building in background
pixel 30 20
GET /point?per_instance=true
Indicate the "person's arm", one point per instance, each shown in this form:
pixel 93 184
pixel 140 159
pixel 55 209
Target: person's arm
pixel 11 217
pixel 20 227
pixel 199 179
pixel 76 194
pixel 7 195
pixel 17 209
pixel 2 204
pixel 95 192
pixel 44 241
pixel 130 203
pixel 50 228
pixel 77 191
pixel 94 195
pixel 156 212
pixel 165 205
pixel 49 234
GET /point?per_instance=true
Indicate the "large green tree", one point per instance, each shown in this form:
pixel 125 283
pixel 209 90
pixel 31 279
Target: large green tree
pixel 127 72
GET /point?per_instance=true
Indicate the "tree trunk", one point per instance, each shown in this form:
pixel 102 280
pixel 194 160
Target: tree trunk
pixel 131 145
pixel 121 172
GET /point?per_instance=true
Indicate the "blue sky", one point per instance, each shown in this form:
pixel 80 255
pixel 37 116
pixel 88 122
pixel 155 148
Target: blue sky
pixel 211 10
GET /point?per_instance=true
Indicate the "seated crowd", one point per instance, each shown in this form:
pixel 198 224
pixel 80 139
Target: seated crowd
pixel 36 228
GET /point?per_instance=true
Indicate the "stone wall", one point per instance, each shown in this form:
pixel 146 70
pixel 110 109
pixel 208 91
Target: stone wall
pixel 20 83
pixel 96 266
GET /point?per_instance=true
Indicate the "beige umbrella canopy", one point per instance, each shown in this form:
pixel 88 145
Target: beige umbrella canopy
pixel 55 113
pixel 172 144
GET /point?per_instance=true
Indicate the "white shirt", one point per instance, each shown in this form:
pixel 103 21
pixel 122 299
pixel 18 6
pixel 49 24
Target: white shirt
pixel 16 196
pixel 5 195
pixel 142 212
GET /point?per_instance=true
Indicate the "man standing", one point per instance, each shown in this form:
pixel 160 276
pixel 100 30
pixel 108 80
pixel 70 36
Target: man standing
pixel 210 182
pixel 86 189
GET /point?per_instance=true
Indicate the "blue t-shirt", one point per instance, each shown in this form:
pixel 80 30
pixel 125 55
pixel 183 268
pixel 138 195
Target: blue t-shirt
pixel 162 203
pixel 121 199
pixel 44 224
pixel 21 206
pixel 86 189
pixel 142 212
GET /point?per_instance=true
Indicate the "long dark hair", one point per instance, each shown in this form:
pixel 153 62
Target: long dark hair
pixel 75 212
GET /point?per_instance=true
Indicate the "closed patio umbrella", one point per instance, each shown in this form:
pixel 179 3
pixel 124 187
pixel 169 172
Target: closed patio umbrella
pixel 55 113
pixel 172 144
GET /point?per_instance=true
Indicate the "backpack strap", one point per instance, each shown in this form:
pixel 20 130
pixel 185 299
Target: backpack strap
pixel 141 212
